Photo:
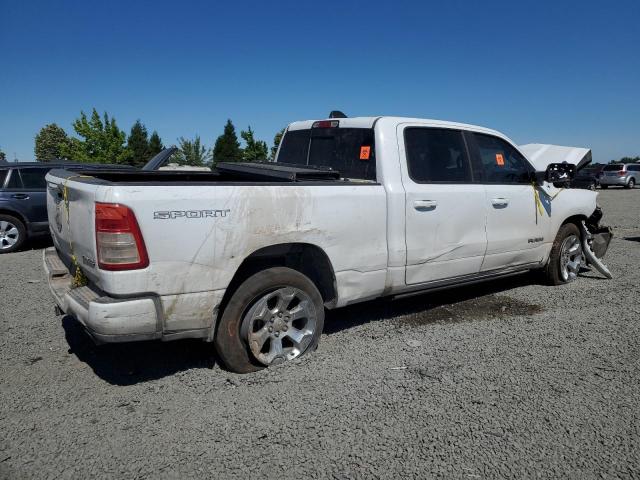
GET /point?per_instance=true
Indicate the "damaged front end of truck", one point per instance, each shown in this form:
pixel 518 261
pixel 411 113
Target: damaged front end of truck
pixel 595 242
pixel 558 165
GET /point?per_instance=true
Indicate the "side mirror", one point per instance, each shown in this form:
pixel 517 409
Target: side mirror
pixel 560 172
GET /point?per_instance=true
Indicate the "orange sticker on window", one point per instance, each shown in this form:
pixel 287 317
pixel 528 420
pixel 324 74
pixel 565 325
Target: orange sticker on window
pixel 499 160
pixel 365 152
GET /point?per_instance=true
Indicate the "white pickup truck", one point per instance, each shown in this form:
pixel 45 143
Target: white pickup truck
pixel 248 256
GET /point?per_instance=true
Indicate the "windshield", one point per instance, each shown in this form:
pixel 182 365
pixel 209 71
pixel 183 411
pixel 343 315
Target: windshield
pixel 613 168
pixel 347 150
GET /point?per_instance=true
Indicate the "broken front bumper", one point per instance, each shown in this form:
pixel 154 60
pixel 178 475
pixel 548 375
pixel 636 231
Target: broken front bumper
pixel 595 241
pixel 105 318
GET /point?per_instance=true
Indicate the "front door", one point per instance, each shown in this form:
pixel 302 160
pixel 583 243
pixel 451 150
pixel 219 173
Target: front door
pixel 445 212
pixel 515 226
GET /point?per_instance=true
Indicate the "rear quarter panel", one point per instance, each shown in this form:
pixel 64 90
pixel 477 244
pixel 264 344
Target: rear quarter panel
pixel 191 251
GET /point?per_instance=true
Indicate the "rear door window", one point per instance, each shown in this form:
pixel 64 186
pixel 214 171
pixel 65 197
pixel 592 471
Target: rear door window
pixel 14 179
pixel 630 168
pixel 436 155
pixel 33 178
pixel 351 151
pixel 499 161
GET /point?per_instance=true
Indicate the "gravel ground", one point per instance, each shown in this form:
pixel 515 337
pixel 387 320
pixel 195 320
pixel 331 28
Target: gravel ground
pixel 507 379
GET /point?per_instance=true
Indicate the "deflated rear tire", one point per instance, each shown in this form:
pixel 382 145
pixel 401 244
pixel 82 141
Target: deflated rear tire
pixel 566 257
pixel 12 234
pixel 274 316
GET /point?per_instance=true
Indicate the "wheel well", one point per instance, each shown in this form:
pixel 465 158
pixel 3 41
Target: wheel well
pixel 575 219
pixel 307 259
pixel 16 215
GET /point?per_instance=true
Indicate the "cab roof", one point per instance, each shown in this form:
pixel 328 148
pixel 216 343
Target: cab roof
pixel 369 122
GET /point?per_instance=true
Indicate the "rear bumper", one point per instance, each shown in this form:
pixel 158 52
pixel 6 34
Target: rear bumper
pixel 105 318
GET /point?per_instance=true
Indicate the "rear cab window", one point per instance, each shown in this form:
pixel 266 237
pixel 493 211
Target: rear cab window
pixel 351 151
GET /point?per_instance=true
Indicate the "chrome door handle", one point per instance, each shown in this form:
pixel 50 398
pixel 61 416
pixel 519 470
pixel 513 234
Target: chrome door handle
pixel 500 202
pixel 20 196
pixel 425 205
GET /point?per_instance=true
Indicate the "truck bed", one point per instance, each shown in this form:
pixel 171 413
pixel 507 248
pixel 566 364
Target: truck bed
pixel 223 173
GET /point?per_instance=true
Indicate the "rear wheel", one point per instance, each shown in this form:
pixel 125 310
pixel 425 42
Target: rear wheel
pixel 631 183
pixel 274 316
pixel 12 234
pixel 566 257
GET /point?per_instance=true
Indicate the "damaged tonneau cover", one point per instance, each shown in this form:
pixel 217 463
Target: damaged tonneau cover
pixel 541 155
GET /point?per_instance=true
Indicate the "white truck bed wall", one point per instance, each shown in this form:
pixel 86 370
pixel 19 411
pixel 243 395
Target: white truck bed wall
pixel 541 155
pixel 191 252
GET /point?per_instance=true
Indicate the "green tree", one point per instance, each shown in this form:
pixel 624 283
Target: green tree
pixel 192 152
pixel 255 149
pixel 102 140
pixel 155 145
pixel 138 144
pixel 276 143
pixel 227 147
pixel 49 143
pixel 3 157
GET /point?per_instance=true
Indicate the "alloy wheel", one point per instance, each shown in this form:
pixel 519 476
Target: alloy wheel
pixel 9 235
pixel 280 325
pixel 571 258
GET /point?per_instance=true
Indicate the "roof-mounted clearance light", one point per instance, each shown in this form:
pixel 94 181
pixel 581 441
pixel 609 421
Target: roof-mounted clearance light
pixel 326 124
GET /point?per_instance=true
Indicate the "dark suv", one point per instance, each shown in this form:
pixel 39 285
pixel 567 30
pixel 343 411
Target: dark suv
pixel 23 200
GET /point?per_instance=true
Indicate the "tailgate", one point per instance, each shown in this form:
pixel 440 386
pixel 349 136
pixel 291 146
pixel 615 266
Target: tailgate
pixel 70 209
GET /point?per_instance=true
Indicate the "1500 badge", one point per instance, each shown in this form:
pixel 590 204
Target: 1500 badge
pixel 173 214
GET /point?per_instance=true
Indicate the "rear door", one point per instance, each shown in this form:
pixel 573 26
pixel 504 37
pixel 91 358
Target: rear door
pixel 13 196
pixel 515 228
pixel 445 211
pixel 33 194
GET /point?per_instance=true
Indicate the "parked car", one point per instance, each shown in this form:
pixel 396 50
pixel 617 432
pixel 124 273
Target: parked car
pixel 23 202
pixel 626 175
pixel 588 177
pixel 250 255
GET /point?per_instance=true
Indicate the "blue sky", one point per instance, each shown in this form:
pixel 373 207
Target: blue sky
pixel 565 72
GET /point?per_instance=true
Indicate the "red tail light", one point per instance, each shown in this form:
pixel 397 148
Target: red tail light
pixel 118 238
pixel 621 173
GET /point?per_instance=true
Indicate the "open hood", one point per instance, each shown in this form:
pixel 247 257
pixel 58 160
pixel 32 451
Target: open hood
pixel 541 155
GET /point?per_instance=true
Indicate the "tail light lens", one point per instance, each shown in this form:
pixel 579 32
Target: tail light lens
pixel 621 173
pixel 326 124
pixel 118 238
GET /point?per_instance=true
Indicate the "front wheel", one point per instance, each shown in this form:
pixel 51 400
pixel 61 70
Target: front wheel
pixel 566 257
pixel 274 316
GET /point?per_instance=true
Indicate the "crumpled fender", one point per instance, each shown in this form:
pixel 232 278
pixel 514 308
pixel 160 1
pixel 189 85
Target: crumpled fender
pixel 592 259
